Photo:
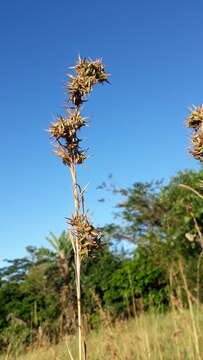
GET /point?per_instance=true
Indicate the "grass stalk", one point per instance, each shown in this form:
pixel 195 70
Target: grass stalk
pixel 76 249
pixel 195 335
pixel 84 237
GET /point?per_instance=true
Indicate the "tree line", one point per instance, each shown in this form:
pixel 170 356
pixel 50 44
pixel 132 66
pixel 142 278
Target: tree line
pixel 165 222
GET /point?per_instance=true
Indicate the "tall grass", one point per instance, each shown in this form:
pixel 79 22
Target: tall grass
pixel 150 336
pixel 177 334
pixel 85 238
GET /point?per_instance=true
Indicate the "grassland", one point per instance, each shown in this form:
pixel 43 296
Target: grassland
pixel 177 335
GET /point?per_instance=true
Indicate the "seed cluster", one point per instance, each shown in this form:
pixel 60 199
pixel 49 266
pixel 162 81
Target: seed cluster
pixel 64 133
pixel 88 236
pixel 64 130
pixel 88 74
pixel 195 122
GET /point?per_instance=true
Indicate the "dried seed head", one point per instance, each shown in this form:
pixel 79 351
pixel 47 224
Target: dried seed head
pixel 94 70
pixel 196 150
pixel 88 73
pixel 195 119
pixel 195 122
pixel 88 236
pixel 64 130
pixel 70 154
pixel 67 128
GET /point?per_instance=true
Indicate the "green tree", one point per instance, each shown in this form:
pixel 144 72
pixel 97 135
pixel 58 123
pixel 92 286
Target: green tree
pixel 166 221
pixel 162 215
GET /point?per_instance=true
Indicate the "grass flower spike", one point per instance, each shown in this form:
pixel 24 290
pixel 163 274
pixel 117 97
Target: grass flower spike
pixel 84 236
pixel 195 122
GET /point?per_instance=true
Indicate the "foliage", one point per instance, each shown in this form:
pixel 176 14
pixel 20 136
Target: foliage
pixel 160 216
pixel 164 221
pixel 139 284
pixel 175 335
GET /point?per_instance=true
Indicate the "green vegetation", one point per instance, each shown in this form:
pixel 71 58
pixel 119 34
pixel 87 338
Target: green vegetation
pixel 150 336
pixel 162 277
pixel 143 305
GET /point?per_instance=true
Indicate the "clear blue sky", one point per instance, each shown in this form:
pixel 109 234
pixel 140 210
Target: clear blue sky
pixel 154 53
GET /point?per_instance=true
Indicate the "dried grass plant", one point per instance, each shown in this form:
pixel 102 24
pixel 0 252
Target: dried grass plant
pixel 85 238
pixel 195 122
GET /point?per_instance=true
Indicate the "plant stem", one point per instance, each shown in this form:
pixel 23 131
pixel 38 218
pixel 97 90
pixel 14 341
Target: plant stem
pixel 84 237
pixel 76 249
pixel 78 266
pixel 75 188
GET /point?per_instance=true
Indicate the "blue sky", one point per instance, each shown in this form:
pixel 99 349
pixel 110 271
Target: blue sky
pixel 153 50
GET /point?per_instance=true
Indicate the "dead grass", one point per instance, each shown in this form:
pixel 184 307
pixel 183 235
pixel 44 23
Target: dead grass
pixel 150 336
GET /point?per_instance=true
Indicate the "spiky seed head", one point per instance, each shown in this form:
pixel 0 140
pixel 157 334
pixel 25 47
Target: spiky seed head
pixel 88 236
pixel 64 130
pixel 195 119
pixel 196 149
pixel 88 73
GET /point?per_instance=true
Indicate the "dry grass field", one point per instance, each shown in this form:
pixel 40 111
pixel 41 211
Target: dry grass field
pixel 177 335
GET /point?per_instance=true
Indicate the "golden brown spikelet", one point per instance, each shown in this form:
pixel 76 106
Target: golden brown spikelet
pixel 195 122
